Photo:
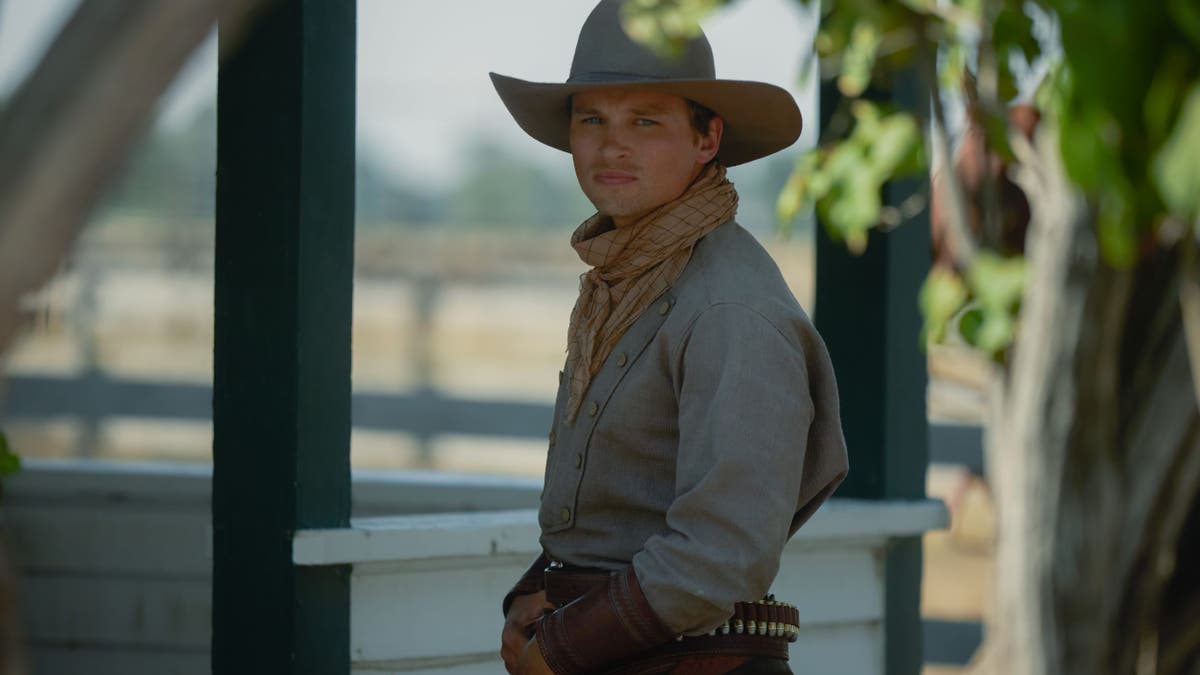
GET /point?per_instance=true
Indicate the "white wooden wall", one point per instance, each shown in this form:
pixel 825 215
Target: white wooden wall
pixel 114 563
pixel 114 559
pixel 451 569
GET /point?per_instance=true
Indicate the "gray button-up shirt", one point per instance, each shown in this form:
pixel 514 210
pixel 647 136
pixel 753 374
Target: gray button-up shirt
pixel 710 434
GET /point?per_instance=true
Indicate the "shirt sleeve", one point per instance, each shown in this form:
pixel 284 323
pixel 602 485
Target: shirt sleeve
pixel 745 410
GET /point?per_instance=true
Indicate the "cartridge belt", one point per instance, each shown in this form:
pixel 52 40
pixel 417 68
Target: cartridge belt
pixel 756 628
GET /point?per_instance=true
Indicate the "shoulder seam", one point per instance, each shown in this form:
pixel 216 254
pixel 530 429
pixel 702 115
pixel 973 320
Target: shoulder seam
pixel 687 331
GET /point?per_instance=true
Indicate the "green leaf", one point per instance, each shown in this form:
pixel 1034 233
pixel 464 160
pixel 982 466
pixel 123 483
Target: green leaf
pixel 1164 97
pixel 950 76
pixel 1051 91
pixel 1012 37
pixel 665 25
pixel 972 7
pixel 859 59
pixel 846 181
pixel 856 241
pixel 1090 145
pixel 10 463
pixel 1115 226
pixel 987 330
pixel 998 283
pixel 921 6
pixel 799 189
pixel 942 295
pixel 856 208
pixel 995 332
pixel 897 141
pixel 969 323
pixel 1186 14
pixel 1006 82
pixel 995 134
pixel 1013 30
pixel 1176 168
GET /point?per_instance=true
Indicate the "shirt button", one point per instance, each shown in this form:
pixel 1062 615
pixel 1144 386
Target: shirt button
pixel 566 514
pixel 593 408
pixel 578 461
pixel 622 360
pixel 664 308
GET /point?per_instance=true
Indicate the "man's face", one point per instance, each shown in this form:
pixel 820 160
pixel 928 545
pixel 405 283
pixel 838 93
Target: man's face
pixel 636 150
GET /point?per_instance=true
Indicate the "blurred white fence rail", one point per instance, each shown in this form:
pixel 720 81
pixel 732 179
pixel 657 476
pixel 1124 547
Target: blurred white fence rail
pixel 115 566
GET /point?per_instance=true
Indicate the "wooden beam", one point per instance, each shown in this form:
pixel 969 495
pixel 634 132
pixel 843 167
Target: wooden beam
pixel 281 382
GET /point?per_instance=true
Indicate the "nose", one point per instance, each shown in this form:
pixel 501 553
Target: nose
pixel 615 142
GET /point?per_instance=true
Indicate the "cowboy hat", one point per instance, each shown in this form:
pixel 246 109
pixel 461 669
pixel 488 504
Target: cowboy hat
pixel 759 118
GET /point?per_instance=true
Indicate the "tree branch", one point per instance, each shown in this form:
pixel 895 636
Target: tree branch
pixel 67 130
pixel 945 181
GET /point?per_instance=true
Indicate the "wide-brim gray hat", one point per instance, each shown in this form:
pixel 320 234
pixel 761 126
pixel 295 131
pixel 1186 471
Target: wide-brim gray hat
pixel 760 118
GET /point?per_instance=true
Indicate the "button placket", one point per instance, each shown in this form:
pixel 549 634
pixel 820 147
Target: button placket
pixel 577 433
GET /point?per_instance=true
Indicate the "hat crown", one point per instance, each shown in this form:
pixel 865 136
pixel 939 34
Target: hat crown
pixel 605 52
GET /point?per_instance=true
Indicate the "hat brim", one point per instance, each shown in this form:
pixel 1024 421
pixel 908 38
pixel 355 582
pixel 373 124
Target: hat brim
pixel 760 118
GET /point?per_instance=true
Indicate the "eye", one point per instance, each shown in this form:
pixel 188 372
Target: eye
pixel 644 122
pixel 593 119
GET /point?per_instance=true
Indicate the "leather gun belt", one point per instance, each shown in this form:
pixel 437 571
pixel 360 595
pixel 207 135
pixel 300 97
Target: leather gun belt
pixel 756 629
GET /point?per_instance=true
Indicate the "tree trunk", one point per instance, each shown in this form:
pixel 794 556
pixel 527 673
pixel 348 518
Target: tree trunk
pixel 1093 450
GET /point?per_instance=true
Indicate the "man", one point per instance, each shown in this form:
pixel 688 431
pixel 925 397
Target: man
pixel 696 425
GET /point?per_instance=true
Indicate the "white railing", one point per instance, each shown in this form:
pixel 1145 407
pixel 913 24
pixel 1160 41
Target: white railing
pixel 115 567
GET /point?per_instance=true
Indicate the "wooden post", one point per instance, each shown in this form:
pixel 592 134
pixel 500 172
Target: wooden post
pixel 281 381
pixel 866 310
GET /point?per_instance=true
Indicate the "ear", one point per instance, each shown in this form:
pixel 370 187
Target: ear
pixel 710 143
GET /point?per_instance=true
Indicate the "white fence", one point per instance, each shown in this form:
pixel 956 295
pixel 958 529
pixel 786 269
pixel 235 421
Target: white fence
pixel 115 565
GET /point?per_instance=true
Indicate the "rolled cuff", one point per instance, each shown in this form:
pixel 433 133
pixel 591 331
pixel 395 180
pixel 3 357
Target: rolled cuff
pixel 532 581
pixel 603 626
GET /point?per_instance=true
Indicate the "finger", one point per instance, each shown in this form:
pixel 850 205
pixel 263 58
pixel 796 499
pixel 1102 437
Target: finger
pixel 511 643
pixel 536 611
pixel 517 633
pixel 510 658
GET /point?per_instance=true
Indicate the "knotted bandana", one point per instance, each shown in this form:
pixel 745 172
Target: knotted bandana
pixel 632 266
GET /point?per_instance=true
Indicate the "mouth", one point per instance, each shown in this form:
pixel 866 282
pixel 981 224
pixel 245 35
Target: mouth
pixel 613 177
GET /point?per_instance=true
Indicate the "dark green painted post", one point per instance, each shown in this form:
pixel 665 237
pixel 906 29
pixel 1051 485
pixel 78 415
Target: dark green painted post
pixel 866 309
pixel 281 381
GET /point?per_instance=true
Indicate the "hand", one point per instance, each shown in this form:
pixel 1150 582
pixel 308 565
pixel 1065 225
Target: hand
pixel 518 627
pixel 532 662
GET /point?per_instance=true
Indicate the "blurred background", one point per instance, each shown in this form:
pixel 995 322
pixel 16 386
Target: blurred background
pixel 464 276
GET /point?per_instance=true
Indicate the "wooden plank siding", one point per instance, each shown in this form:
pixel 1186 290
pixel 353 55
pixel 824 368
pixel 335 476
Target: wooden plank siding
pixel 115 570
pixel 424 588
pixel 114 559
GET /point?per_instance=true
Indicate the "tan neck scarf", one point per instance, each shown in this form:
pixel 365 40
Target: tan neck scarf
pixel 633 265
